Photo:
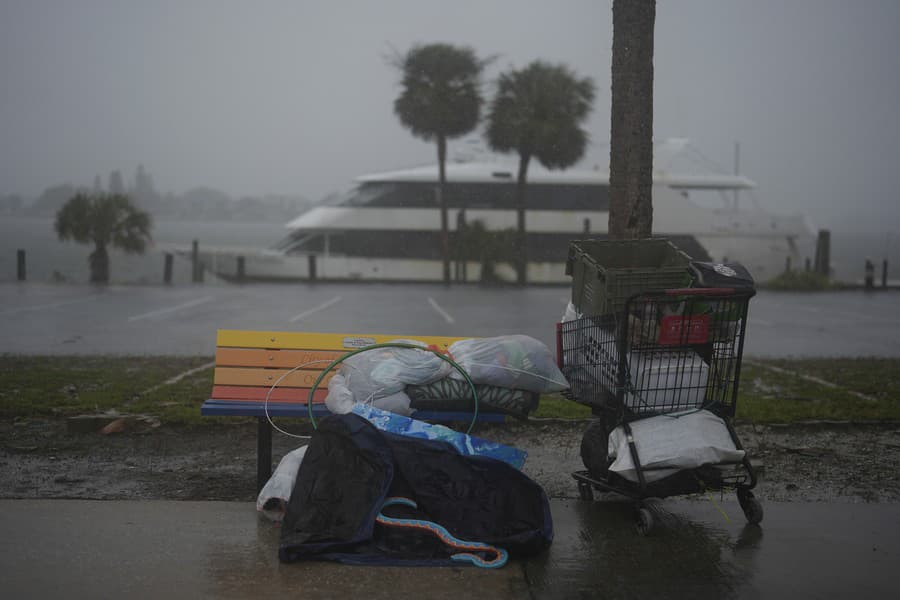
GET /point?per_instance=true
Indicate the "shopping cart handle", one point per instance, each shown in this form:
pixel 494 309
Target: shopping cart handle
pixel 700 292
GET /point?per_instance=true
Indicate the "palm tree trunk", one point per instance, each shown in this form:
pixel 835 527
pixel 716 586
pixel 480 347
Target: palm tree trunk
pixel 99 261
pixel 631 138
pixel 521 244
pixel 442 200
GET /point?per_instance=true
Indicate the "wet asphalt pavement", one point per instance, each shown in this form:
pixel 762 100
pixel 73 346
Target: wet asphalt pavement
pixel 68 319
pixel 85 549
pixel 153 549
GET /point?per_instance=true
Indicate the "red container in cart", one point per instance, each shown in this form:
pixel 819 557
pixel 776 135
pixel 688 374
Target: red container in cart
pixel 661 377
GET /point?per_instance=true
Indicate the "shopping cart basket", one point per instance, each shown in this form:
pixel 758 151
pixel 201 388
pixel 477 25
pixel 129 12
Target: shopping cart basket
pixel 669 355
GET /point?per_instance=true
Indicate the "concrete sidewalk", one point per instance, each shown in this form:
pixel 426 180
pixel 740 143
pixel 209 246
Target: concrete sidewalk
pixel 164 549
pixel 167 549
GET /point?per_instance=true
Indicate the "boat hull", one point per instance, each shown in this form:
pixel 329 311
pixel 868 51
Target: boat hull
pixel 765 258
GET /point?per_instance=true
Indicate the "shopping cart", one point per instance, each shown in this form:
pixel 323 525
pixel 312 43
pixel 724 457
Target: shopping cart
pixel 670 358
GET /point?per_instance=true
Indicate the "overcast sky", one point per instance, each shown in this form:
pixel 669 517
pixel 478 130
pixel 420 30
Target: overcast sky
pixel 296 97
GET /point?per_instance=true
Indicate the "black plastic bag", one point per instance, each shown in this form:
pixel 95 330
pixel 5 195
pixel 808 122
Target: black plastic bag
pixel 721 275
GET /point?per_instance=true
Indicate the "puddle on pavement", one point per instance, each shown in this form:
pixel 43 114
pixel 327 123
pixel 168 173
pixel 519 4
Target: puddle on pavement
pixel 598 553
pixel 802 550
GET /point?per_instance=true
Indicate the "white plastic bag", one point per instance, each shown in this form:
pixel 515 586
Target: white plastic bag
pixel 341 397
pixel 571 313
pixel 668 443
pixel 395 368
pixel 378 377
pixel 273 498
pixel 518 362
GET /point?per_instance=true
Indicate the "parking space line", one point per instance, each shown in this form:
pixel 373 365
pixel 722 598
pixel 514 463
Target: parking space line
pixel 446 316
pixel 812 378
pixel 315 309
pixel 179 377
pixel 171 309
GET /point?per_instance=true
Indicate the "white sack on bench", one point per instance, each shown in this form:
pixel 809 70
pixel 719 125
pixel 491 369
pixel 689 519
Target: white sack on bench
pixel 378 377
pixel 273 498
pixel 518 362
pixel 341 397
pixel 668 443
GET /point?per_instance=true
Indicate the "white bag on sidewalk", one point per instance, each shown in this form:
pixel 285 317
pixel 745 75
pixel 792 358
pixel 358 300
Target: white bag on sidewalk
pixel 273 498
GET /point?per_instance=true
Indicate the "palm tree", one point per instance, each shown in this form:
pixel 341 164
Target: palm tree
pixel 104 220
pixel 631 135
pixel 537 112
pixel 487 247
pixel 441 99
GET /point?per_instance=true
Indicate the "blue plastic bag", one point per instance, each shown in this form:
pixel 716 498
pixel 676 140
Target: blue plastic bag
pixel 464 444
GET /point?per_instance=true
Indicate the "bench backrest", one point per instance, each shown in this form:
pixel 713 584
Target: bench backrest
pixel 249 363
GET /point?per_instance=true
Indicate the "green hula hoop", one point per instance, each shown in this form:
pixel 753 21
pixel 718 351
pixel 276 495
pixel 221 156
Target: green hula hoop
pixel 334 363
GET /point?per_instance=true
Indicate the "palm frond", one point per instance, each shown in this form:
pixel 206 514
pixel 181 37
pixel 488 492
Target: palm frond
pixel 537 111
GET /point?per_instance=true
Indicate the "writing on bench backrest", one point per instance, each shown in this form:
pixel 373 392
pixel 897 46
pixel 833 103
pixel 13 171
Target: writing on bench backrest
pixel 249 363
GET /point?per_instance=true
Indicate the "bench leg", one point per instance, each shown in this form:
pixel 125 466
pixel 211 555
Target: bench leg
pixel 263 452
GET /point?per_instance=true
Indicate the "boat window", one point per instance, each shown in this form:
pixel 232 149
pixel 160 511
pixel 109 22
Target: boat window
pixel 408 195
pixel 480 195
pixel 368 194
pixel 406 244
pixel 710 199
pixel 422 244
pixel 567 197
pixel 290 241
pixel 537 196
pixel 300 242
pixel 542 247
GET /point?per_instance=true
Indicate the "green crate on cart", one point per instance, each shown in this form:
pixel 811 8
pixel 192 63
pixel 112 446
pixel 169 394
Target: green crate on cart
pixel 606 273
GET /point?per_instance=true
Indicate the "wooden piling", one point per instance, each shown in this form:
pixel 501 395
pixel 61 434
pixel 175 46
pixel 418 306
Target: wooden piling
pixel 195 262
pixel 823 253
pixel 167 268
pixel 20 264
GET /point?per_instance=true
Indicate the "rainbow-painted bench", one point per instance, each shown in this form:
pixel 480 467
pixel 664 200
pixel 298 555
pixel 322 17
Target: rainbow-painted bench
pixel 250 363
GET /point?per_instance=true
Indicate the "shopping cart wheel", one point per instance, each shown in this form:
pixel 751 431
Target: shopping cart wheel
pixel 585 491
pixel 594 445
pixel 645 521
pixel 753 510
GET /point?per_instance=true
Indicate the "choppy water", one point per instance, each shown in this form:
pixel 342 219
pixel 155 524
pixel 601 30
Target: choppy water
pixel 48 259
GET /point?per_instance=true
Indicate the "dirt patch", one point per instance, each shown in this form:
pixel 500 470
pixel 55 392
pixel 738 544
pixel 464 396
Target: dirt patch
pixel 40 459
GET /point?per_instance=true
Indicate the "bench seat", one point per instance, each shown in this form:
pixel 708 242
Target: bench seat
pixel 249 363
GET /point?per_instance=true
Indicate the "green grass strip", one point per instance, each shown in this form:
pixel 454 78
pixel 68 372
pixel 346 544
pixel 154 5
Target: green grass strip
pixel 173 388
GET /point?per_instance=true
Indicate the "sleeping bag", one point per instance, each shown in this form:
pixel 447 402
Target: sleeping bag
pixel 352 474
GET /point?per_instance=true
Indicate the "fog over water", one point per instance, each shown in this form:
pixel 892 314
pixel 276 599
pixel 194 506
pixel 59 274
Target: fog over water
pixel 296 97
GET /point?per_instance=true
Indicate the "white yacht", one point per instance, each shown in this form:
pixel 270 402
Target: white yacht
pixel 388 227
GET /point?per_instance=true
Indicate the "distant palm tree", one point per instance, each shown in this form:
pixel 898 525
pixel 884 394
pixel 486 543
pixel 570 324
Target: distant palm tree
pixel 631 133
pixel 487 247
pixel 538 112
pixel 441 99
pixel 103 220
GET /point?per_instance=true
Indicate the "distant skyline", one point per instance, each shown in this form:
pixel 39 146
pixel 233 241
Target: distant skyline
pixel 296 98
